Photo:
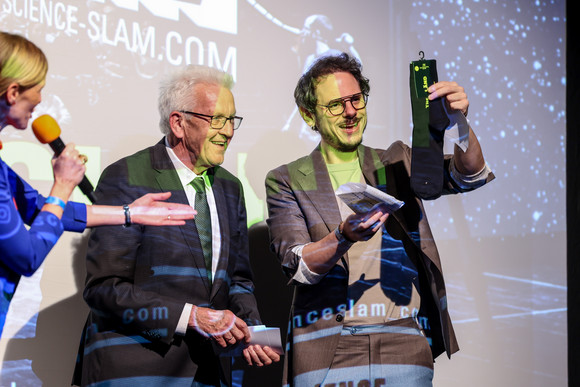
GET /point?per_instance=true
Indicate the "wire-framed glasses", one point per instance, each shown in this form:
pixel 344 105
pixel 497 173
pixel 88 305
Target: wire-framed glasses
pixel 218 122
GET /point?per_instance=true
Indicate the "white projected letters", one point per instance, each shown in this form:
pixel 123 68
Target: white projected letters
pixel 133 38
pixel 219 15
pixel 139 36
pixel 195 53
pixel 176 50
pixel 51 13
pixel 143 314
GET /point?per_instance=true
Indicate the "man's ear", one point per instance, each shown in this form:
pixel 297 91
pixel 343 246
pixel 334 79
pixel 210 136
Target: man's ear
pixel 308 117
pixel 177 124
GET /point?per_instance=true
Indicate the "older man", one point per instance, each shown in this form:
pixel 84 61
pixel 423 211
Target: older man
pixel 163 300
pixel 368 286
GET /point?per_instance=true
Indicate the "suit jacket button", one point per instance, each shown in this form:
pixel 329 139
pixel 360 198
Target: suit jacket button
pixel 339 317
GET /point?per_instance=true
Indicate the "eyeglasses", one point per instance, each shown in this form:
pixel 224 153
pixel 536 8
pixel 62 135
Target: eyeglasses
pixel 336 106
pixel 218 122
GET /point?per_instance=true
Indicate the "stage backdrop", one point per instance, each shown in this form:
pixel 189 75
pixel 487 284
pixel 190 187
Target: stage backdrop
pixel 503 246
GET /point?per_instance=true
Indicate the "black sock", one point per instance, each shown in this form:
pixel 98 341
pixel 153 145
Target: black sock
pixel 429 124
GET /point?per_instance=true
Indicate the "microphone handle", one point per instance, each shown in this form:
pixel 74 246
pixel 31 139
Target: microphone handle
pixel 87 188
pixel 57 146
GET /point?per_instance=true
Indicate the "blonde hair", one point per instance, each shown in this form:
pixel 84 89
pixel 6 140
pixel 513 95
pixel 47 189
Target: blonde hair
pixel 21 61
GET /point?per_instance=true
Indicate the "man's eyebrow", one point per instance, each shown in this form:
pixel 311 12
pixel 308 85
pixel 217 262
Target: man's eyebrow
pixel 345 97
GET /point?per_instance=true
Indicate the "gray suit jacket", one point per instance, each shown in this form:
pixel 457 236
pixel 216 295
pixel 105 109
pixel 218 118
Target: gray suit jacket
pixel 302 209
pixel 140 277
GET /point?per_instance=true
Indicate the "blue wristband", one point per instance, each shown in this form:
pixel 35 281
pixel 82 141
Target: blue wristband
pixel 57 201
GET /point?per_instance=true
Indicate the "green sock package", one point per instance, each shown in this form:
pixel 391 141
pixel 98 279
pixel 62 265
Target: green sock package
pixel 429 124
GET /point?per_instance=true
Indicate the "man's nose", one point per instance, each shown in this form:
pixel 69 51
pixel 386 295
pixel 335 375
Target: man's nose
pixel 228 129
pixel 349 110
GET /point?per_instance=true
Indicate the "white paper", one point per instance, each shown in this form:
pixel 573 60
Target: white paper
pixel 266 336
pixel 259 334
pixel 361 198
pixel 458 130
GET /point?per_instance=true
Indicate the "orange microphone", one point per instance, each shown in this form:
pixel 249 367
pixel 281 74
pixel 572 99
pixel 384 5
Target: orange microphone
pixel 47 131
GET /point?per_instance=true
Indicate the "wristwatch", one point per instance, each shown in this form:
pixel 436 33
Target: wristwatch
pixel 342 239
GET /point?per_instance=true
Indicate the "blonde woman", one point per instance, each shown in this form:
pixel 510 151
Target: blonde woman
pixel 23 68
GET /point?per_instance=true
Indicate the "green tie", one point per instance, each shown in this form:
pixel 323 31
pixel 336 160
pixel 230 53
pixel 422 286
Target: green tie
pixel 203 222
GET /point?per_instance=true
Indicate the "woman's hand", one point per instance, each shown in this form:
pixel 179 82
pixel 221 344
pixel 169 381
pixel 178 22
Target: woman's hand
pixel 68 169
pixel 152 210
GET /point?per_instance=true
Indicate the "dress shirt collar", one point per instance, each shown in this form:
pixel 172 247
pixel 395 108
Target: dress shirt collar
pixel 185 174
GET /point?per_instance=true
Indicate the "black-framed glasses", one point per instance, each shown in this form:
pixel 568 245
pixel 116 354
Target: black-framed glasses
pixel 218 122
pixel 336 106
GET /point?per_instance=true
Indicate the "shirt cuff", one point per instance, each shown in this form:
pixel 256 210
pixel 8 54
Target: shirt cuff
pixel 469 181
pixel 184 320
pixel 303 274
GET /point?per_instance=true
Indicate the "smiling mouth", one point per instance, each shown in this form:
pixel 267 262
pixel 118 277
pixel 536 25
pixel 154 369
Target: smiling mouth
pixel 222 143
pixel 350 127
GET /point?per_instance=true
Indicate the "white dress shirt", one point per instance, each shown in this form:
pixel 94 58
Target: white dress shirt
pixel 186 176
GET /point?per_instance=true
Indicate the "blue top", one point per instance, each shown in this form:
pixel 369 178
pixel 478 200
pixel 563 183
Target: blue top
pixel 22 249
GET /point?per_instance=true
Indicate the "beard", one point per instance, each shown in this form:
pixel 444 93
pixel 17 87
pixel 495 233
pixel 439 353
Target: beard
pixel 340 145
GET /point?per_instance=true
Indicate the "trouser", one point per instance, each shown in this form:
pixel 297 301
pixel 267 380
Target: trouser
pixel 381 355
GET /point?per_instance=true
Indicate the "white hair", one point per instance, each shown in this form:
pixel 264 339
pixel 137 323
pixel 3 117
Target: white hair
pixel 175 92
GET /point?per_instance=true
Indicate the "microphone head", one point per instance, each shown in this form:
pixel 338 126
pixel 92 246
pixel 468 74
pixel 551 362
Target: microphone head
pixel 46 129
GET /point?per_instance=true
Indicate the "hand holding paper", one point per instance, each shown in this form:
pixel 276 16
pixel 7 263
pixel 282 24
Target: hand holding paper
pixel 265 346
pixel 362 198
pixel 266 336
pixel 371 208
pixel 261 336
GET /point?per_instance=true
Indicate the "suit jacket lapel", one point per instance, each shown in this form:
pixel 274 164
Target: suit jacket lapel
pixel 376 174
pixel 313 179
pixel 168 180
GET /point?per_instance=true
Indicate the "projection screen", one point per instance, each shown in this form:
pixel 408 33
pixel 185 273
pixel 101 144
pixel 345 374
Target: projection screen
pixel 502 247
